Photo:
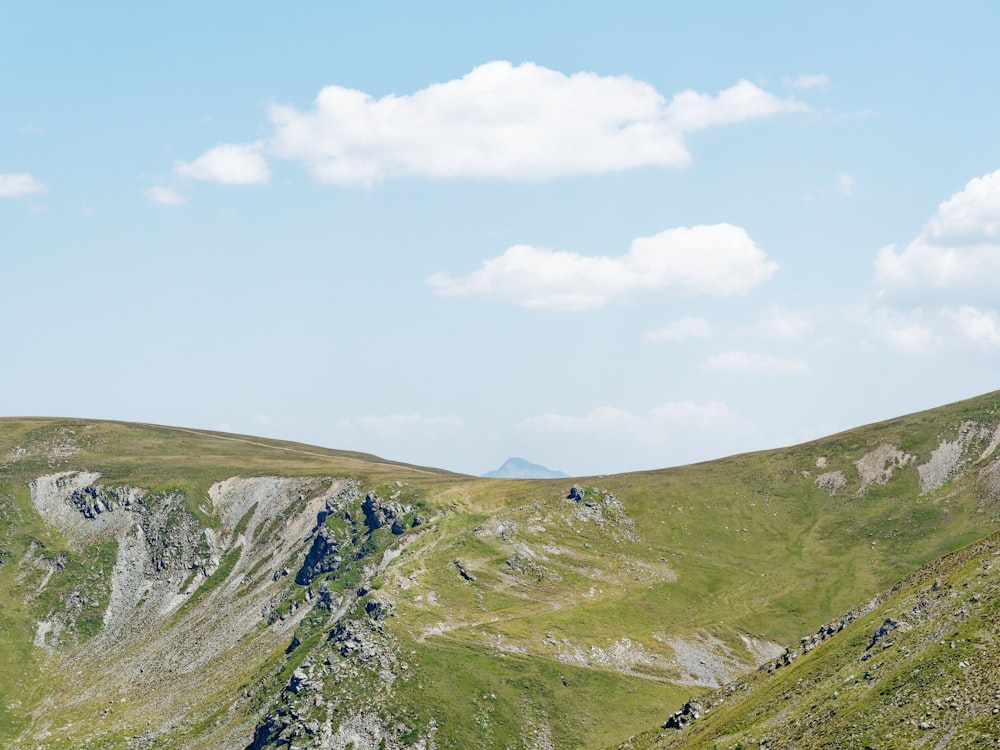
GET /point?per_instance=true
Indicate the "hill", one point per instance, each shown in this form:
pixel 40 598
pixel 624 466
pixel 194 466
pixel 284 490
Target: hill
pixel 166 588
pixel 518 468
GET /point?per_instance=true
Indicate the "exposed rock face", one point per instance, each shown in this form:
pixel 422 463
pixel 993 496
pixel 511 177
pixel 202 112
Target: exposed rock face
pixel 379 512
pixel 832 481
pixel 952 455
pixel 877 467
pixel 883 631
pixel 91 501
pixel 323 557
pixel 159 543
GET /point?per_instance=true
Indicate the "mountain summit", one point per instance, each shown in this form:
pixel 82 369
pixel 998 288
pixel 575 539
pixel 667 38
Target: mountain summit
pixel 518 468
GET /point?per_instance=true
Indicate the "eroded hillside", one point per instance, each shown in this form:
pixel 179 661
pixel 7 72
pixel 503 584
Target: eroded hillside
pixel 172 588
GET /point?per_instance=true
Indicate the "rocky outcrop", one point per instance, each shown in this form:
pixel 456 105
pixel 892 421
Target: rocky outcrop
pixel 92 500
pixel 379 513
pixel 463 572
pixel 882 631
pixel 690 711
pixel 877 466
pixel 832 481
pixel 323 557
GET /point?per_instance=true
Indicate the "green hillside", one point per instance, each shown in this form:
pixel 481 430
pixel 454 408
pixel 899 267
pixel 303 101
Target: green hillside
pixel 165 588
pixel 918 667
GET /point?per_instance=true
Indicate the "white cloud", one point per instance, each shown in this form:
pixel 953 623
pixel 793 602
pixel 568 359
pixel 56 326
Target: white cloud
pixel 690 111
pixel 18 184
pixel 398 426
pixel 815 81
pixel 958 250
pixel 683 328
pixel 925 330
pixel 165 196
pixel 519 122
pixel 720 260
pixel 762 364
pixel 610 421
pixel 262 419
pixel 978 326
pixel 778 324
pixel 905 332
pixel 228 164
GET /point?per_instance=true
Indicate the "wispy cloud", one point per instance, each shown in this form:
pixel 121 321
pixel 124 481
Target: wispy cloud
pixel 400 426
pixel 656 423
pixel 814 81
pixel 779 324
pixel 681 329
pixel 757 364
pixel 228 164
pixel 842 187
pixel 717 260
pixel 164 196
pixel 18 184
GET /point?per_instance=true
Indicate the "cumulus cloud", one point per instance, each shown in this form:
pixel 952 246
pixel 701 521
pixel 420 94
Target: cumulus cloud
pixel 404 426
pixel 164 196
pixel 609 420
pixel 925 330
pixel 719 259
pixel 957 251
pixel 18 184
pixel 682 329
pixel 759 364
pixel 978 326
pixel 500 120
pixel 228 164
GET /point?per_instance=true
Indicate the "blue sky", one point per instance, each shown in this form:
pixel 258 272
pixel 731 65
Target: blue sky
pixel 603 238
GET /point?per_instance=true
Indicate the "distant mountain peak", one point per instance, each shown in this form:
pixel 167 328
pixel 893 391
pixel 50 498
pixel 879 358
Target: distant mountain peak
pixel 518 468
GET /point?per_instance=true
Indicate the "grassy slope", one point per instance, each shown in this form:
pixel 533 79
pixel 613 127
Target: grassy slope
pixel 803 558
pixel 742 545
pixel 932 681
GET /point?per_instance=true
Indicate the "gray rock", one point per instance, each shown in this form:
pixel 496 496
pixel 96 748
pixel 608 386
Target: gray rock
pixel 883 630
pixel 323 557
pixel 463 572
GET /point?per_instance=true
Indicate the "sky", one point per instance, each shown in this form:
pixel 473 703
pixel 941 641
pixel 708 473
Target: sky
pixel 602 237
